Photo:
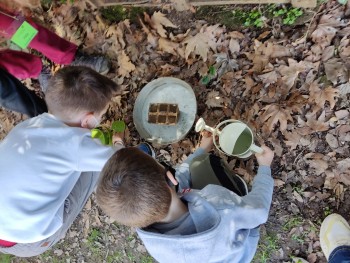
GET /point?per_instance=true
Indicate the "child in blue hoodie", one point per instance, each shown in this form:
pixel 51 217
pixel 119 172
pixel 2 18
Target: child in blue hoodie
pixel 218 223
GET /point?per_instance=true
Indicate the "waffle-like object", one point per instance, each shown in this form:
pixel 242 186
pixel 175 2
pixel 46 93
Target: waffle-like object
pixel 163 113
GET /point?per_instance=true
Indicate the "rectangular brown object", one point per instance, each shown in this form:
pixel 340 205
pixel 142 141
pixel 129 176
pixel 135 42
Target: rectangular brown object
pixel 163 113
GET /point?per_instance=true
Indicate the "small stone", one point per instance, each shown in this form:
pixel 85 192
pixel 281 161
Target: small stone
pixel 58 252
pixel 132 243
pixel 141 248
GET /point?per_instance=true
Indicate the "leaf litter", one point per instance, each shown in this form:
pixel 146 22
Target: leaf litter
pixel 293 90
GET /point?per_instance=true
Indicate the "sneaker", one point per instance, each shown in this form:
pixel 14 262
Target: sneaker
pixel 98 63
pixel 335 232
pixel 147 148
pixel 44 78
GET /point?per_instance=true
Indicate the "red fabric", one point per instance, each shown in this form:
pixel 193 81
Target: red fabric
pixel 48 43
pixel 52 46
pixel 19 64
pixel 4 243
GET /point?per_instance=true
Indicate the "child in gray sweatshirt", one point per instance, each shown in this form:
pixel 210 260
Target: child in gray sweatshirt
pixel 218 223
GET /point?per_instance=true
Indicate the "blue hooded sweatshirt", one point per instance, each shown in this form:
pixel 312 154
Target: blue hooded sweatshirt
pixel 220 226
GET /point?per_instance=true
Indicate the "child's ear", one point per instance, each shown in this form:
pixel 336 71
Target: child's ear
pixel 88 121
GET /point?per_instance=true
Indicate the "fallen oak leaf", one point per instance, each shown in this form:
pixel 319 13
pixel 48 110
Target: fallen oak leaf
pixel 125 65
pixel 167 46
pixel 159 20
pixel 179 37
pixel 293 139
pixel 201 43
pixel 316 161
pixel 275 114
pixel 320 96
pixel 324 33
pixel 291 72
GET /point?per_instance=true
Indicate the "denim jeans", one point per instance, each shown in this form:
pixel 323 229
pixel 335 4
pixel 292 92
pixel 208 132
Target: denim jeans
pixel 340 255
pixel 15 96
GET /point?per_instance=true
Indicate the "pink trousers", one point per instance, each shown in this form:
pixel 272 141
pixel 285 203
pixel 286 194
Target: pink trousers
pixel 23 65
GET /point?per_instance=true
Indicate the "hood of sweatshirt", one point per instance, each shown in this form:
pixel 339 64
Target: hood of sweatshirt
pixel 218 236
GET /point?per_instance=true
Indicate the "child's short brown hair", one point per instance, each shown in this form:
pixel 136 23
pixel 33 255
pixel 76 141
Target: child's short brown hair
pixel 132 189
pixel 77 88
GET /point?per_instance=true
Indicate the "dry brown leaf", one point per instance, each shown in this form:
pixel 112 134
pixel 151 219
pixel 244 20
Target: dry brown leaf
pixel 159 21
pixel 290 73
pixel 278 182
pixel 167 46
pixel 125 65
pixel 271 50
pixel 269 78
pixel 200 43
pixel 318 124
pixel 320 96
pixel 293 139
pixel 236 35
pixel 324 32
pixel 343 166
pixel 335 69
pixel 275 114
pixel 234 46
pixel 332 141
pixel 298 197
pixel 341 114
pixel 214 99
pixel 278 149
pixel 344 48
pixel 344 89
pixel 259 62
pixel 179 37
pixel 317 162
pixel 265 51
pixel 312 124
pixel 328 53
pixel 343 131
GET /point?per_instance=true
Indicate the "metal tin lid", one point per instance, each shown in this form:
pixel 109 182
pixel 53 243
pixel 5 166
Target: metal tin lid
pixel 165 90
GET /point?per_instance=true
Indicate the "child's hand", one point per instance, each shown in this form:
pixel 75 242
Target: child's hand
pixel 207 141
pixel 118 139
pixel 266 157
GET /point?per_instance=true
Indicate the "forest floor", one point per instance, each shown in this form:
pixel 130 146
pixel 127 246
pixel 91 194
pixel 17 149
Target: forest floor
pixel 290 83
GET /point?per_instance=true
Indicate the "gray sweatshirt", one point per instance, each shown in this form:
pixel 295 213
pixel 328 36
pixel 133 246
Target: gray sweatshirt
pixel 219 227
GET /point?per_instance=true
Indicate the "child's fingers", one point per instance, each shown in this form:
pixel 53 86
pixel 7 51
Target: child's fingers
pixel 171 178
pixel 206 134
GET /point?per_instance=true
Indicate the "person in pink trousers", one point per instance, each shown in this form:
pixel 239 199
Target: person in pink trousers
pixel 21 65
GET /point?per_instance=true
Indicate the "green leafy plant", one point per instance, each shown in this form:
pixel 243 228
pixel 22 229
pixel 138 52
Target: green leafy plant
pixel 256 17
pixel 291 16
pixel 288 14
pixel 105 134
pixel 5 258
pixel 327 211
pixel 211 74
pixel 251 18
